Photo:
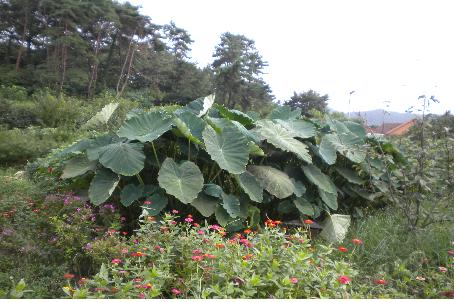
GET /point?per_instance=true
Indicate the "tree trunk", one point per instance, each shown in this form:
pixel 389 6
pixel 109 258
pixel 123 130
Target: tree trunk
pixel 22 41
pixel 127 58
pixel 64 57
pixel 94 70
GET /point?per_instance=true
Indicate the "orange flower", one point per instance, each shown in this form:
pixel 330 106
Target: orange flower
pixel 68 276
pixel 219 245
pixel 247 231
pixel 247 257
pixel 342 249
pixel 308 221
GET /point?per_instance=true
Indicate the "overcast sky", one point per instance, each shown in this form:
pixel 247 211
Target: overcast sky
pixel 383 50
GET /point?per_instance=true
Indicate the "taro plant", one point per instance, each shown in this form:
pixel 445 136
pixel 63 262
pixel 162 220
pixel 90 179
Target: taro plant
pixel 236 167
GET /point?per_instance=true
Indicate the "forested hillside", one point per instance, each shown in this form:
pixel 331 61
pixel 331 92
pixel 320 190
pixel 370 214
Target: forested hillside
pixel 84 47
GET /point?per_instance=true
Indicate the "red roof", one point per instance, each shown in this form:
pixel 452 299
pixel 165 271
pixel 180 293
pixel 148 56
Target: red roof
pixel 392 129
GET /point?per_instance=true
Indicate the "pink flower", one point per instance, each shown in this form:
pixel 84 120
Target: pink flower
pixel 215 227
pixel 196 252
pixel 147 202
pixel 197 258
pixel 442 269
pixel 294 280
pixel 116 261
pixel 451 252
pixel 200 232
pixel 343 279
pixel 357 241
pixel 210 256
pixel 189 219
pixel 175 291
pixel 175 212
pixel 141 296
pixel 173 222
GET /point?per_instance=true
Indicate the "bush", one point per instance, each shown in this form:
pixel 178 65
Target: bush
pixel 182 259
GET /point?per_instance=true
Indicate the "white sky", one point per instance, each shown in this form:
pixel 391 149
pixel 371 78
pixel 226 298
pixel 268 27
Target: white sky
pixel 384 50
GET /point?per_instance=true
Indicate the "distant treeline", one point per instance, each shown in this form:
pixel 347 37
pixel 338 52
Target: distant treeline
pixel 85 47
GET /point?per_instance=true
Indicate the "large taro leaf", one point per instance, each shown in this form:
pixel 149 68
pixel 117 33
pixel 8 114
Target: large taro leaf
pixel 231 204
pixel 284 113
pixel 222 216
pixel 184 180
pixel 335 228
pixel 145 127
pixel 350 175
pixel 131 193
pixel 199 106
pixel 356 129
pixel 190 125
pixel 229 148
pixel 221 123
pixel 304 206
pixel 212 190
pixel 102 117
pixel 298 128
pixel 99 143
pixel 319 179
pixel 78 166
pixel 329 198
pixel 205 204
pixel 102 186
pixel 235 115
pixel 281 138
pixel 327 148
pixel 250 185
pixel 158 203
pixel 124 158
pixel 273 180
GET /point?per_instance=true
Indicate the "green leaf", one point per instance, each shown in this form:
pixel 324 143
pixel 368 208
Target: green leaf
pixel 131 193
pixel 199 106
pixel 235 115
pixel 190 126
pixel 281 138
pixel 327 148
pixel 222 216
pixel 284 113
pixel 300 188
pixel 124 158
pixel 298 128
pixel 102 117
pixel 146 127
pixel 184 180
pixel 286 207
pixel 335 228
pixel 319 179
pixel 229 148
pixel 78 166
pixel 255 150
pixel 220 123
pixel 304 206
pixel 273 180
pixel 231 204
pixel 99 143
pixel 205 204
pixel 329 199
pixel 102 186
pixel 250 185
pixel 158 203
pixel 356 129
pixel 350 175
pixel 212 190
pixel 254 216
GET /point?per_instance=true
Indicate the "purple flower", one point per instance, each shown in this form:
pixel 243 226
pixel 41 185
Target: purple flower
pixel 88 246
pixel 78 210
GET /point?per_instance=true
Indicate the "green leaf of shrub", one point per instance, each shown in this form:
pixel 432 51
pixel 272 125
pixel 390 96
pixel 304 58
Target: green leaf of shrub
pixel 229 148
pixel 190 126
pixel 231 204
pixel 284 113
pixel 212 190
pixel 184 180
pixel 251 186
pixel 199 106
pixel 235 115
pixel 131 193
pixel 298 128
pixel 124 158
pixel 102 117
pixel 78 166
pixel 273 180
pixel 205 204
pixel 158 203
pixel 329 198
pixel 145 127
pixel 350 175
pixel 102 186
pixel 304 206
pixel 319 179
pixel 335 228
pixel 327 148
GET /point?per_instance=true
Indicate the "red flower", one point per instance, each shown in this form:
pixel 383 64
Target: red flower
pixel 357 241
pixel 138 254
pixel 247 257
pixel 380 281
pixel 294 280
pixel 175 291
pixel 147 202
pixel 343 249
pixel 219 245
pixel 211 256
pixel 196 252
pixel 247 231
pixel 68 276
pixel 308 221
pixel 196 225
pixel 197 258
pixel 343 279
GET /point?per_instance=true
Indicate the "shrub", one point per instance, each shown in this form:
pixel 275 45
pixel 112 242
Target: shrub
pixel 203 263
pixel 234 166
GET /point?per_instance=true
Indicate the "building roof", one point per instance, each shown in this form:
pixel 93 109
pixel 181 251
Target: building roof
pixel 392 129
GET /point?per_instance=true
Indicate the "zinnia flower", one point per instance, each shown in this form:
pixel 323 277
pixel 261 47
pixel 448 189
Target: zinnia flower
pixel 175 212
pixel 343 249
pixel 200 232
pixel 219 245
pixel 68 276
pixel 188 219
pixel 343 279
pixel 380 281
pixel 442 269
pixel 451 252
pixel 147 202
pixel 247 231
pixel 175 291
pixel 196 252
pixel 357 241
pixel 308 221
pixel 116 261
pixel 197 258
pixel 211 256
pixel 294 280
pixel 247 257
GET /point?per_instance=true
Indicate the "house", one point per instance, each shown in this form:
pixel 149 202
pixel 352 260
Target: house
pixel 392 129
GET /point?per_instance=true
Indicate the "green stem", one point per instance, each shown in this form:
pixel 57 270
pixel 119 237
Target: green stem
pixel 139 178
pixel 155 154
pixel 216 175
pixel 189 150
